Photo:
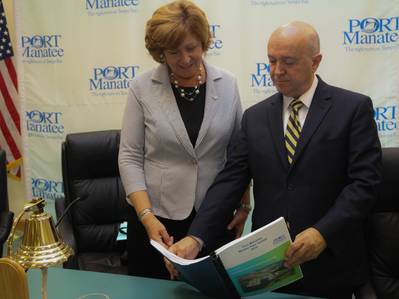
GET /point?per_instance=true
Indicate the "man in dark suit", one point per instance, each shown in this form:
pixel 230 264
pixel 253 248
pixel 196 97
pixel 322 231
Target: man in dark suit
pixel 314 155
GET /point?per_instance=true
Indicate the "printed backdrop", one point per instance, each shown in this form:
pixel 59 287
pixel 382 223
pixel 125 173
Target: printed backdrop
pixel 75 60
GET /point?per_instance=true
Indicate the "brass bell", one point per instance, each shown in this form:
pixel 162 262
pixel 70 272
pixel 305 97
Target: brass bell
pixel 41 246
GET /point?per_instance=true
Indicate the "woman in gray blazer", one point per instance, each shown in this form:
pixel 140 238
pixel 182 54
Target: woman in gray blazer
pixel 179 123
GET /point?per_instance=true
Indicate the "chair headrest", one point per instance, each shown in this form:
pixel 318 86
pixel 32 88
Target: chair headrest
pixel 92 154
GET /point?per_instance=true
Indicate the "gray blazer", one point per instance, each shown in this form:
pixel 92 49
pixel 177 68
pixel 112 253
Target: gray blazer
pixel 155 152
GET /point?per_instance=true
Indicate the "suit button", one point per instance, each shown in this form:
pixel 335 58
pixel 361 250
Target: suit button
pixel 290 187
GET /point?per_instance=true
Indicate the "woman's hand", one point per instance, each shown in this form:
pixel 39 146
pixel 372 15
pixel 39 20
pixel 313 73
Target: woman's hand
pixel 156 230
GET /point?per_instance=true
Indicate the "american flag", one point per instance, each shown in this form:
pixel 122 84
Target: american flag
pixel 10 129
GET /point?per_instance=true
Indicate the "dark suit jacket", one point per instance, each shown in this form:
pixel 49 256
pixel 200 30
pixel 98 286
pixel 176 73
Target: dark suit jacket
pixel 331 184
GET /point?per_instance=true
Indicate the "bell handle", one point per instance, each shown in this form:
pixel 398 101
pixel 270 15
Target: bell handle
pixel 33 203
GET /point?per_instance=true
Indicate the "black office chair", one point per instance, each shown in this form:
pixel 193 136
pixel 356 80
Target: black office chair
pixel 6 217
pixel 384 230
pixel 90 171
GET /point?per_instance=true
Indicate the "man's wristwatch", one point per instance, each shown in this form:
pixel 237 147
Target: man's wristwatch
pixel 246 207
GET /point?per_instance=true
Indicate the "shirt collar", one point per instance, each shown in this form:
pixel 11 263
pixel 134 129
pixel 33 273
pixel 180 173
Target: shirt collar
pixel 306 98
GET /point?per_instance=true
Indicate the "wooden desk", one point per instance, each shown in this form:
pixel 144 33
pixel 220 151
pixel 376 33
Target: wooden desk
pixel 74 284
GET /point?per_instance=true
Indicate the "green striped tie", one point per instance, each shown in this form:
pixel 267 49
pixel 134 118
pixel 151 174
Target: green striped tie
pixel 293 130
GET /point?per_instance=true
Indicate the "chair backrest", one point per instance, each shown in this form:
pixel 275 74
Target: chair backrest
pixel 384 230
pixel 90 171
pixel 3 182
pixel 13 281
pixel 6 217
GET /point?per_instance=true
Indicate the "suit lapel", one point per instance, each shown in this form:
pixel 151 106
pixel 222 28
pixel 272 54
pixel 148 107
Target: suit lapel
pixel 275 117
pixel 211 102
pixel 169 107
pixel 317 111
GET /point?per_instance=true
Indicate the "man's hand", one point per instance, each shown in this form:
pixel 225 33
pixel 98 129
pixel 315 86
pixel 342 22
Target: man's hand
pixel 307 246
pixel 156 230
pixel 238 222
pixel 241 214
pixel 187 248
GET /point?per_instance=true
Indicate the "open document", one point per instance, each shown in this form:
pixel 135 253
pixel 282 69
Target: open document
pixel 247 266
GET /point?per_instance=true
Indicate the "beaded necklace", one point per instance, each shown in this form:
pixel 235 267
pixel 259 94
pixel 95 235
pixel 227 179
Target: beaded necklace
pixel 184 93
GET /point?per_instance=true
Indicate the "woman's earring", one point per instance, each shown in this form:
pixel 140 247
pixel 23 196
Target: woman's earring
pixel 161 58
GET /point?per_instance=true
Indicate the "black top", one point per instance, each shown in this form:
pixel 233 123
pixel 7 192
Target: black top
pixel 192 112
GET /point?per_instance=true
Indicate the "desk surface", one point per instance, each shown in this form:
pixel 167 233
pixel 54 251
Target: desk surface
pixel 74 284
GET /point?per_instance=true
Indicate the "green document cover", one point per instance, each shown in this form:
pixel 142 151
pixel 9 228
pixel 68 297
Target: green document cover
pixel 263 273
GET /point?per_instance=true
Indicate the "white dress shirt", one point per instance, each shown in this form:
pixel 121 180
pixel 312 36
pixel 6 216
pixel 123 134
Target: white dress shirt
pixel 306 99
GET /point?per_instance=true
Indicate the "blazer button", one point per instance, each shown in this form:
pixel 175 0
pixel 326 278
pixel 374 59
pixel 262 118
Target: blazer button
pixel 290 187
